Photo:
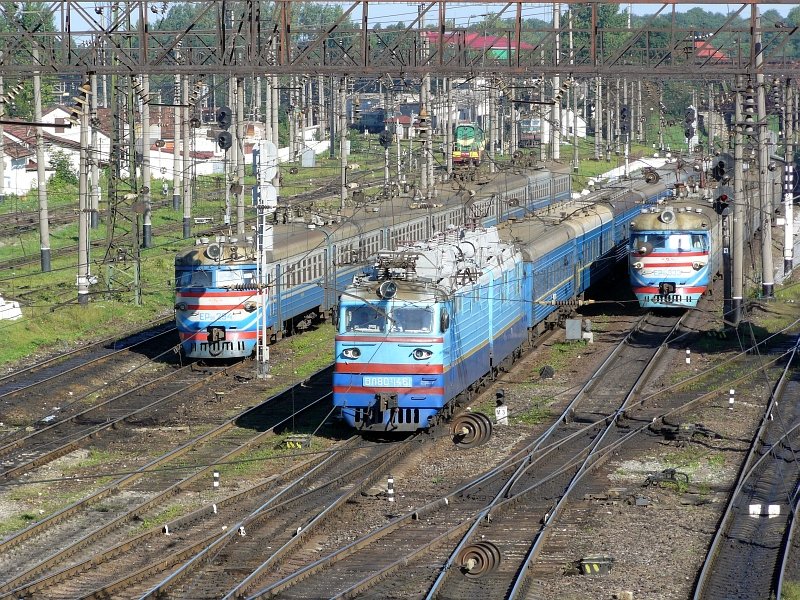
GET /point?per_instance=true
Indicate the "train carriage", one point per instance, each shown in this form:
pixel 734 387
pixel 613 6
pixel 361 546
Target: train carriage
pixel 217 302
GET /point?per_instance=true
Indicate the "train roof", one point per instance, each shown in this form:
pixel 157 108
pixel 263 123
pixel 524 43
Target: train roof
pixel 676 215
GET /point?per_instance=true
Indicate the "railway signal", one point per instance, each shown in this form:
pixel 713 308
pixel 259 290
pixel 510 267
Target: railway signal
pixel 723 200
pixel 624 119
pixel 224 117
pixel 689 122
pixel 385 138
pixel 722 168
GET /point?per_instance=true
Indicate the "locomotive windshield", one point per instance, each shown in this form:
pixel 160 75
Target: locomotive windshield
pixel 364 318
pixel 198 278
pixel 674 242
pixel 410 319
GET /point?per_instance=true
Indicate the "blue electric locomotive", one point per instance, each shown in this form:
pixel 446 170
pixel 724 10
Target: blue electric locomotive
pixel 429 321
pixel 218 297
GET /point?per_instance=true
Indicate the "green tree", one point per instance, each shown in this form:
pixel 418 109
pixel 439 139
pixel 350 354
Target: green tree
pixel 64 173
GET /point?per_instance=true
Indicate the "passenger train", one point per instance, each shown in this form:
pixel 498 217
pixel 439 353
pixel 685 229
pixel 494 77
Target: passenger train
pixel 218 296
pixel 676 250
pixel 674 253
pixel 428 321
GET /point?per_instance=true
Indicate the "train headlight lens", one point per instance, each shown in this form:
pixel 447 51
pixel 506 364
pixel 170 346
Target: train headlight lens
pixel 638 265
pixel 180 306
pixel 697 266
pixel 250 306
pixel 421 354
pixel 351 353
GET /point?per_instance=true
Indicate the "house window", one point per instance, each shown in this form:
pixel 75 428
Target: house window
pixel 60 121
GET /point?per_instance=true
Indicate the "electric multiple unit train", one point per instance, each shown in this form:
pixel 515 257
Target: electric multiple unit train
pixel 220 292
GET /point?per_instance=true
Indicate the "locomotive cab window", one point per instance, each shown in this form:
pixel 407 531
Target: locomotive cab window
pixel 364 319
pixel 235 278
pixel 193 279
pixel 410 319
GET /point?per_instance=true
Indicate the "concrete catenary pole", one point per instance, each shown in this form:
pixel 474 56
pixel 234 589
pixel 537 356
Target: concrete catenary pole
pixel 187 162
pixel 94 156
pixel 240 135
pixel 768 271
pixel 147 222
pixel 44 215
pixel 738 212
pixel 83 208
pixel 177 169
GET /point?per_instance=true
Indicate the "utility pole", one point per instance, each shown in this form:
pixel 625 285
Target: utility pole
pixel 598 117
pixel 187 163
pixel 555 112
pixel 147 224
pixel 448 121
pixel 240 131
pixel 738 210
pixel 788 179
pixel 44 216
pixel 768 271
pixel 2 145
pixel 83 208
pixel 343 141
pixel 177 169
pixel 94 156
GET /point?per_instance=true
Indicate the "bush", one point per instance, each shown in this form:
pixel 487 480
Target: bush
pixel 59 162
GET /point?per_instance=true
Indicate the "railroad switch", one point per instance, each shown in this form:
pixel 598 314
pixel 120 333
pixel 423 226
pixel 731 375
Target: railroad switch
pixel 667 476
pixel 683 432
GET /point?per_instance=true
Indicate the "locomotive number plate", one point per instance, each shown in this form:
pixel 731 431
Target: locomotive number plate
pixel 386 381
pixel 668 299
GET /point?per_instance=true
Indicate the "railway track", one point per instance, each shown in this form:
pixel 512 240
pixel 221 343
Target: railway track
pixel 410 550
pixel 57 387
pixel 98 526
pixel 755 527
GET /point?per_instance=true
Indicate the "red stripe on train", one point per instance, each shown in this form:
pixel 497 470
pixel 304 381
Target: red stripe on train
pixel 678 290
pixel 229 335
pixel 353 389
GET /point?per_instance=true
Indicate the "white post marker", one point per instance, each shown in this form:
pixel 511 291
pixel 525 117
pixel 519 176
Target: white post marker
pixel 216 479
pixel 390 488
pixel 730 400
pixel 688 356
pixel 501 414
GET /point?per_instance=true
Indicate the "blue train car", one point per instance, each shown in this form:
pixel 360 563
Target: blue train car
pixel 218 297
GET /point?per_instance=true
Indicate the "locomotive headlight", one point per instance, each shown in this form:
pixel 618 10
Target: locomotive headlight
pixel 697 266
pixel 351 353
pixel 180 306
pixel 638 265
pixel 250 306
pixel 421 354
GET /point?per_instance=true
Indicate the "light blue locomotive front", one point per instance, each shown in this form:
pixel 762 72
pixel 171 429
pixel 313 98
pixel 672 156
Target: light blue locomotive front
pixel 401 356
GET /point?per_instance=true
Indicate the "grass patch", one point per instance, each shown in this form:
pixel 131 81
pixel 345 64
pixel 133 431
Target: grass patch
pixel 537 413
pixel 313 351
pixel 170 513
pixel 561 354
pixel 790 590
